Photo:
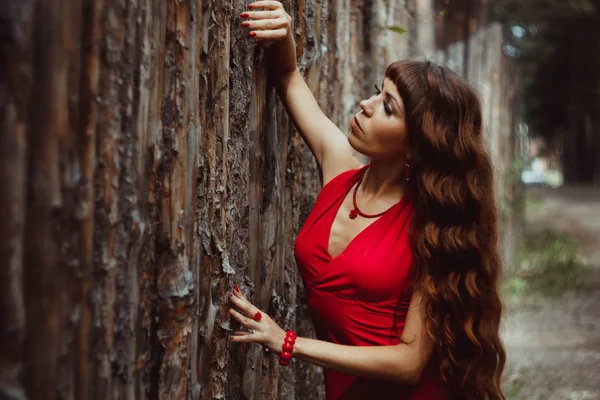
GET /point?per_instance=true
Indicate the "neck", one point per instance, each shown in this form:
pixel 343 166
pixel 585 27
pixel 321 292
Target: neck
pixel 384 178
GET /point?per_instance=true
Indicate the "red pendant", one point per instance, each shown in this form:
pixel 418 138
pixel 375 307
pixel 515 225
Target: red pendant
pixel 353 214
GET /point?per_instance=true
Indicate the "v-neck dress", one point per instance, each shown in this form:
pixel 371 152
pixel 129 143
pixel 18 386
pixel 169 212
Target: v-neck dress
pixel 352 297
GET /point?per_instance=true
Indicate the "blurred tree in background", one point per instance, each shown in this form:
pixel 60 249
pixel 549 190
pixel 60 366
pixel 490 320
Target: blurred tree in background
pixel 557 45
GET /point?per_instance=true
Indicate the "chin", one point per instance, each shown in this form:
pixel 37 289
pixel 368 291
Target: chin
pixel 357 144
pixel 352 140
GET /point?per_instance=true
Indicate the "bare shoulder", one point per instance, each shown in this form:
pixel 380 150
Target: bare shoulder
pixel 338 162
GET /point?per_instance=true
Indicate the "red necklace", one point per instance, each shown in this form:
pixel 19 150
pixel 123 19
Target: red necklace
pixel 355 212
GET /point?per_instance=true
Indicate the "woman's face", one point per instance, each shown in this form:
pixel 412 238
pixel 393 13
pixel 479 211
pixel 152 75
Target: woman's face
pixel 378 130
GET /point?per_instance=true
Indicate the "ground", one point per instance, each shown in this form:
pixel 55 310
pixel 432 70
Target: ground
pixel 553 342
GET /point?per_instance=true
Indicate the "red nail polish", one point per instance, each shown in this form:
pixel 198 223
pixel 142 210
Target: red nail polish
pixel 245 24
pixel 244 15
pixel 251 6
pixel 236 288
pixel 251 34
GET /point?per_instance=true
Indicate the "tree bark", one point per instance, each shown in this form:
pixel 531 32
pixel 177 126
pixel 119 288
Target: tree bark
pixel 146 166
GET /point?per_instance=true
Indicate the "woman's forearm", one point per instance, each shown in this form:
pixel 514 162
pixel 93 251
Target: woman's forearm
pixel 396 363
pixel 401 363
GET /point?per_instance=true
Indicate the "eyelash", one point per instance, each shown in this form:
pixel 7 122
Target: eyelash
pixel 386 105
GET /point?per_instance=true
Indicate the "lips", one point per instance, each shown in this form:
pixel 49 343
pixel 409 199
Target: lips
pixel 355 120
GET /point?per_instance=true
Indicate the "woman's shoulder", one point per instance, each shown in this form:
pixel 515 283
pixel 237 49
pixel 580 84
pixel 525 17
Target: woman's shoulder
pixel 335 168
pixel 344 179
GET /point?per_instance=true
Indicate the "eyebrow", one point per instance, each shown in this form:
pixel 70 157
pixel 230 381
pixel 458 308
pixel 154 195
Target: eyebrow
pixel 393 98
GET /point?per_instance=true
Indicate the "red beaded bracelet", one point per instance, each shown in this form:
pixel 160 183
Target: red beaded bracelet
pixel 285 357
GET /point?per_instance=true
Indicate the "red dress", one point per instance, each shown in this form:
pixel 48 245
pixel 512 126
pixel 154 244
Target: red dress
pixel 352 297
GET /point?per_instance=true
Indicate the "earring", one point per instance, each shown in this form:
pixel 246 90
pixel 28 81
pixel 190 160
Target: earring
pixel 407 169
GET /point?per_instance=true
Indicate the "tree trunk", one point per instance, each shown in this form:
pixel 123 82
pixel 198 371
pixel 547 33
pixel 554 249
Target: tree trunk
pixel 147 166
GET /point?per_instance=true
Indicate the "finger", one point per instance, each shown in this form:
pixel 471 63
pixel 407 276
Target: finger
pixel 240 302
pixel 272 5
pixel 238 294
pixel 241 333
pixel 255 15
pixel 245 321
pixel 275 34
pixel 243 337
pixel 265 24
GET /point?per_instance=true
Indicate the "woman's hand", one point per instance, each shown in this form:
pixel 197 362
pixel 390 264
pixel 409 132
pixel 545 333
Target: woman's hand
pixel 264 330
pixel 268 26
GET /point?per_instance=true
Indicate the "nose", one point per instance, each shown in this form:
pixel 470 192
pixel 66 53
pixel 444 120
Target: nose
pixel 366 107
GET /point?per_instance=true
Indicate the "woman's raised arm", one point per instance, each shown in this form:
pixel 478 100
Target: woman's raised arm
pixel 272 28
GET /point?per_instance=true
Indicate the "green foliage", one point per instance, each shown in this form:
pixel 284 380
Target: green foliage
pixel 396 29
pixel 547 264
pixel 515 287
pixel 512 389
pixel 533 206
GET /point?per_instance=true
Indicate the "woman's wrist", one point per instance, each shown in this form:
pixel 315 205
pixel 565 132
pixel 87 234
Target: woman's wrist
pixel 287 348
pixel 275 343
pixel 281 57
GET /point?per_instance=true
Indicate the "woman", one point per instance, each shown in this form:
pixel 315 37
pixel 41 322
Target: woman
pixel 398 258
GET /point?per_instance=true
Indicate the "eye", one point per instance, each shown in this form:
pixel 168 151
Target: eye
pixel 388 108
pixel 386 105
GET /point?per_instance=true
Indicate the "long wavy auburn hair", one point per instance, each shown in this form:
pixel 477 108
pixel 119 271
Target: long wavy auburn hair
pixel 454 226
